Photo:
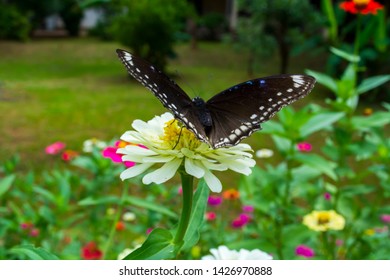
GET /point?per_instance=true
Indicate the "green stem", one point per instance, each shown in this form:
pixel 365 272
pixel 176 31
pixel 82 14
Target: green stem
pixel 357 38
pixel 116 219
pixel 187 182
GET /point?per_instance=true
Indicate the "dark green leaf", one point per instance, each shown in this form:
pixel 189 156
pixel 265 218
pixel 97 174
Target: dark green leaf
pixel 197 215
pixel 158 246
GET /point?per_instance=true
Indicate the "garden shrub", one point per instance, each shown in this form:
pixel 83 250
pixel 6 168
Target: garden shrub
pixel 149 28
pixel 13 25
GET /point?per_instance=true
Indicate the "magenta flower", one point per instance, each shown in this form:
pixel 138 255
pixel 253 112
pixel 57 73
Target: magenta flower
pixel 327 196
pixel 304 147
pixel 26 225
pixel 111 152
pixel 385 218
pixel 241 220
pixel 214 200
pixel 248 208
pixel 55 148
pixel 34 232
pixel 304 251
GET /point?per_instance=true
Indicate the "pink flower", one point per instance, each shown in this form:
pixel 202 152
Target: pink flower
pixel 248 208
pixel 327 196
pixel 385 218
pixel 304 251
pixel 211 216
pixel 214 200
pixel 55 148
pixel 149 230
pixel 304 147
pixel 26 225
pixel 110 152
pixel 241 220
pixel 34 232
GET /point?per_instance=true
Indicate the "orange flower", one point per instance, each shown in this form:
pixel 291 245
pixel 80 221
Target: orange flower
pixel 231 194
pixel 120 226
pixel 68 155
pixel 361 6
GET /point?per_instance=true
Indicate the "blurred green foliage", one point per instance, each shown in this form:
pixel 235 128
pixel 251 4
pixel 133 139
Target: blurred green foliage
pixel 149 27
pixel 282 26
pixel 13 24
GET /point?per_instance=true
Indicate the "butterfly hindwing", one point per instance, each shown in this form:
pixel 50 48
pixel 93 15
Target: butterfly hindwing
pixel 166 90
pixel 239 110
pixel 235 113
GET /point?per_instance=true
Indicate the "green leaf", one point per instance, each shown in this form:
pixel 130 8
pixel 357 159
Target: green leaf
pixel 33 253
pixel 380 39
pixel 6 183
pixel 372 82
pixel 324 80
pixel 315 161
pixel 375 120
pixel 142 203
pixel 346 55
pixel 158 246
pixel 356 190
pixel 97 201
pixel 197 215
pixel 328 8
pixel 319 121
pixel 45 194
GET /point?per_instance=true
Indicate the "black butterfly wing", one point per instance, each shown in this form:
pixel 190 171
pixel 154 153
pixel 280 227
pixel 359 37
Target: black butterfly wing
pixel 238 111
pixel 166 90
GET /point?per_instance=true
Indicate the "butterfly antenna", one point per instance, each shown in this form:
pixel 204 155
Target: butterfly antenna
pixel 178 139
pixel 185 82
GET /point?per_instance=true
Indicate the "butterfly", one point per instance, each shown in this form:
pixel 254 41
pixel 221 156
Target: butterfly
pixel 231 115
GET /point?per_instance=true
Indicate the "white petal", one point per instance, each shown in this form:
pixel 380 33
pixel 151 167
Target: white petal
pixel 135 170
pixel 213 182
pixel 163 174
pixel 192 167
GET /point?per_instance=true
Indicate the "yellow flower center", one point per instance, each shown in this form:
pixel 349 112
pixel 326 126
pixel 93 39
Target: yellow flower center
pixel 323 218
pixel 176 136
pixel 361 3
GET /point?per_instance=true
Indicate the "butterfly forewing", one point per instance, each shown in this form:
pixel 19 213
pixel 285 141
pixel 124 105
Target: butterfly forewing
pixel 235 113
pixel 166 90
pixel 238 111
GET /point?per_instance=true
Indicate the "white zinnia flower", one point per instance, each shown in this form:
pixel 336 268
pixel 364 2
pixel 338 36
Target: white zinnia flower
pixel 223 253
pixel 174 146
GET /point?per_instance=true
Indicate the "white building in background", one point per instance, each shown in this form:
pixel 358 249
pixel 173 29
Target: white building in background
pixel 90 18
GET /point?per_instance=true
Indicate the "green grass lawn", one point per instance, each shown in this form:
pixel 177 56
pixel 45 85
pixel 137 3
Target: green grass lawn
pixel 72 90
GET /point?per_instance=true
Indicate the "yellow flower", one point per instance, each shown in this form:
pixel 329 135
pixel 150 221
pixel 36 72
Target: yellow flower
pixel 173 146
pixel 324 220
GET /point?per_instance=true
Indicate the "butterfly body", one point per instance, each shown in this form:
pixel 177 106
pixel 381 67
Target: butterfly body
pixel 228 117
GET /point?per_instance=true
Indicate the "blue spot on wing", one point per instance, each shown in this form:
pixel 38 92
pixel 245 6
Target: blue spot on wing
pixel 262 83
